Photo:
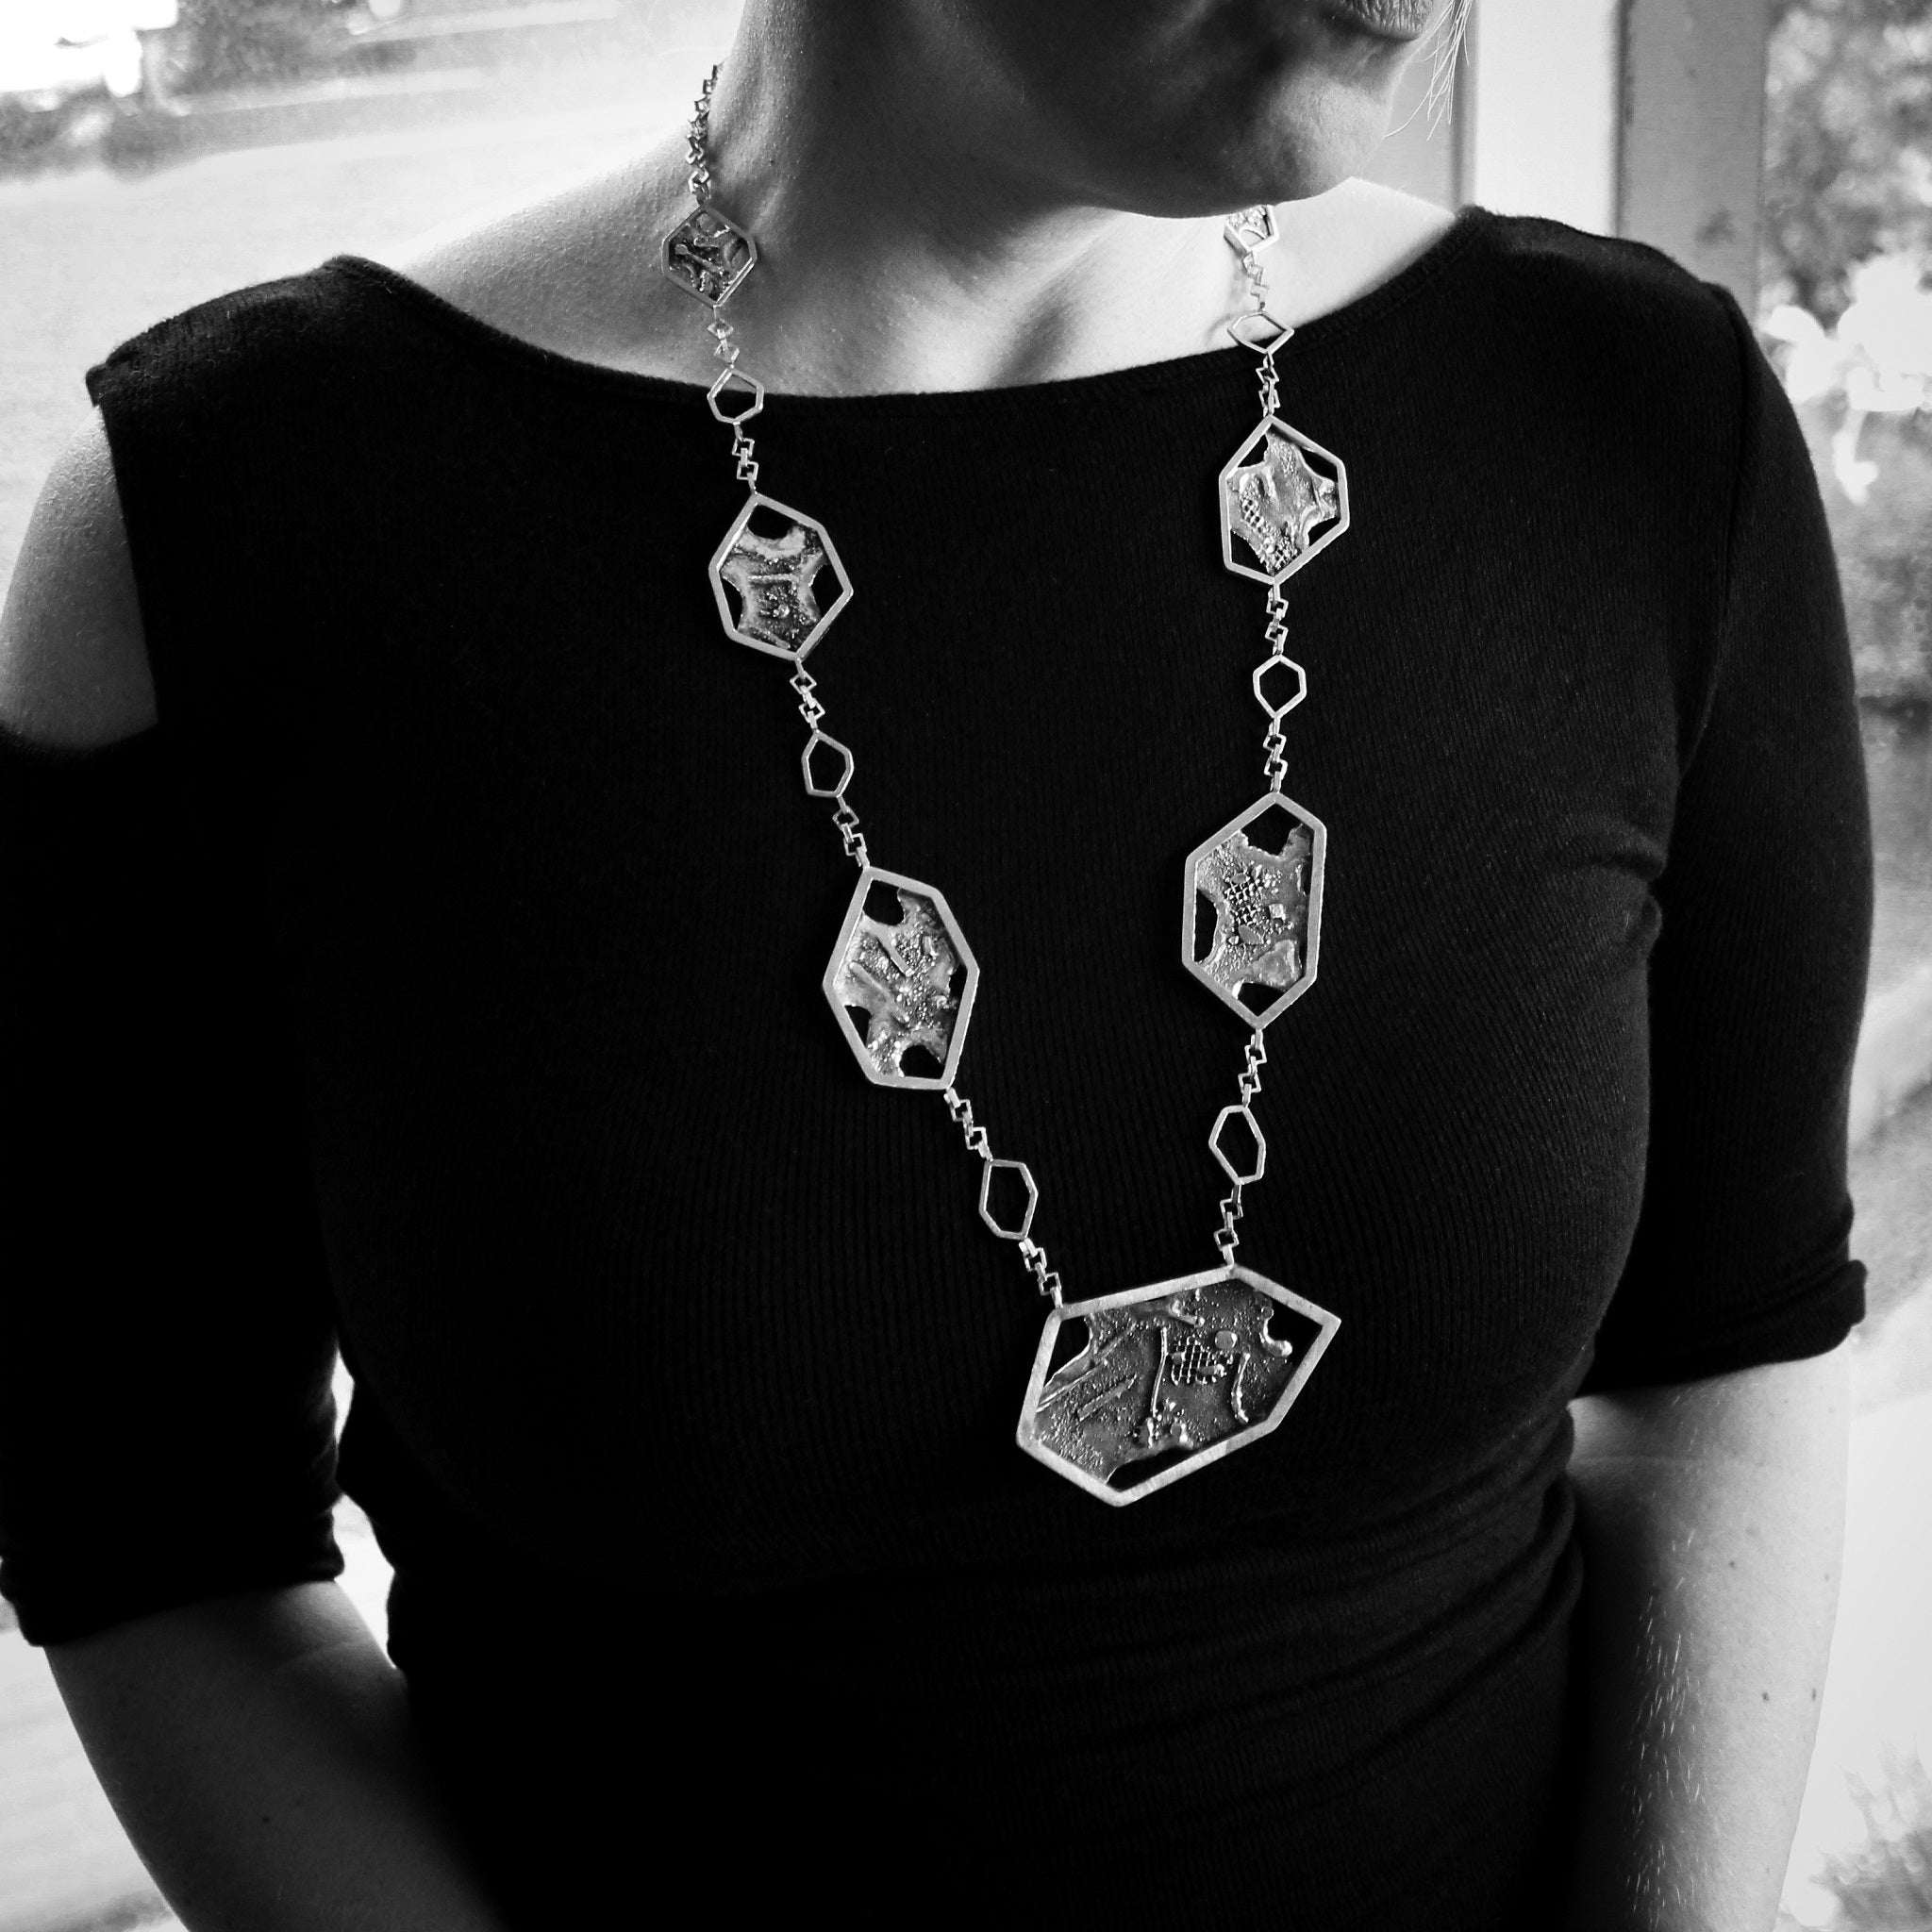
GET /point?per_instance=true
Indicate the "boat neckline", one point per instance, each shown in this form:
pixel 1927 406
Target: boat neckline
pixel 1365 312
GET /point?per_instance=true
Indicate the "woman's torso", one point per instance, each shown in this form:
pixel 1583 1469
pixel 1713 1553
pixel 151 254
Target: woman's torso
pixel 664 1317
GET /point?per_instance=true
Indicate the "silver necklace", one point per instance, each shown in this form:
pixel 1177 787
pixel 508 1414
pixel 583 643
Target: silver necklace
pixel 1151 1384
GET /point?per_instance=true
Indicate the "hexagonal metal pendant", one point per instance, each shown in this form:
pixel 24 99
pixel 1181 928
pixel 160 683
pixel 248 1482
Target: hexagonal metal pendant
pixel 1284 499
pixel 770 576
pixel 708 256
pixel 902 982
pixel 1158 1382
pixel 1251 918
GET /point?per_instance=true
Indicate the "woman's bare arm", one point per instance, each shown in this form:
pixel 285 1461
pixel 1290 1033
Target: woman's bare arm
pixel 260 1750
pixel 1712 1517
pixel 73 668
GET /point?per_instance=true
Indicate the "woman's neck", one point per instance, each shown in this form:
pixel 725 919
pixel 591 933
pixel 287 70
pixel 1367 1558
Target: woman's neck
pixel 917 229
pixel 913 235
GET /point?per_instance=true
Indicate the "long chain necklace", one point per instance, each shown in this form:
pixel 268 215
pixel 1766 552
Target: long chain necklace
pixel 1129 1391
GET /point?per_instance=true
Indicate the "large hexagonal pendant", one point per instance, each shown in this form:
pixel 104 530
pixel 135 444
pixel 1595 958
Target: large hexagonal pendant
pixel 777 579
pixel 1157 1382
pixel 1251 918
pixel 902 982
pixel 1283 499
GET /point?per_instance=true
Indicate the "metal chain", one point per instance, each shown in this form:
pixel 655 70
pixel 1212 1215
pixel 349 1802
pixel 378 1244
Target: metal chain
pixel 1275 743
pixel 1258 293
pixel 697 141
pixel 978 1143
pixel 843 817
pixel 742 448
pixel 1032 1254
pixel 1226 1237
pixel 698 154
pixel 745 465
pixel 1270 385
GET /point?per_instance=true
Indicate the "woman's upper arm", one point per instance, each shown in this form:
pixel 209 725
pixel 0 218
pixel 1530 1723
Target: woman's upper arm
pixel 1741 1254
pixel 74 665
pixel 166 1327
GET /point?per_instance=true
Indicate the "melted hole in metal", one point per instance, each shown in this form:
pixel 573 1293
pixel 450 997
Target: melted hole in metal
pixel 862 1021
pixel 1067 1343
pixel 882 905
pixel 919 1062
pixel 768 522
pixel 1271 830
pixel 1256 997
pixel 1287 1327
pixel 1206 918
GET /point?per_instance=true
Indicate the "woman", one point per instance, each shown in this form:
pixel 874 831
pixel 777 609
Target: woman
pixel 448 969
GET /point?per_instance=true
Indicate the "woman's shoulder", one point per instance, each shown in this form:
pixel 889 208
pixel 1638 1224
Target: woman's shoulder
pixel 266 329
pixel 73 668
pixel 572 270
pixel 1602 290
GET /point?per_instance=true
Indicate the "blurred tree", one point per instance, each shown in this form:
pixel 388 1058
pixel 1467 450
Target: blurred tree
pixel 1848 144
pixel 1884 1885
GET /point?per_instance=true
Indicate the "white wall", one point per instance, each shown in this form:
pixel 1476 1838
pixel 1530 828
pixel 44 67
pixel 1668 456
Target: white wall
pixel 1542 107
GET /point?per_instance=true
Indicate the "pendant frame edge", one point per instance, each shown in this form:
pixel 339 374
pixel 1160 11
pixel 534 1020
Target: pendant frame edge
pixel 1027 1436
pixel 1318 877
pixel 1256 438
pixel 869 877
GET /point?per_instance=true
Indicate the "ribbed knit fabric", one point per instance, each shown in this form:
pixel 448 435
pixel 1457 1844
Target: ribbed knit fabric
pixel 687 1374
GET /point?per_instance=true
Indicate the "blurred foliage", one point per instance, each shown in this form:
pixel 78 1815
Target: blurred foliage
pixel 1884 1884
pixel 1884 560
pixel 1848 144
pixel 1847 182
pixel 236 43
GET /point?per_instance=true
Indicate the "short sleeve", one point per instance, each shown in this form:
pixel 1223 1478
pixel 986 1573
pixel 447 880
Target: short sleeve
pixel 1743 1253
pixel 166 1425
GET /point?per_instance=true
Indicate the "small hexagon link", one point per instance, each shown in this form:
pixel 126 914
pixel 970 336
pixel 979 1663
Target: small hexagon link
pixel 1288 667
pixel 1227 1167
pixel 1026 1227
pixel 751 410
pixel 819 740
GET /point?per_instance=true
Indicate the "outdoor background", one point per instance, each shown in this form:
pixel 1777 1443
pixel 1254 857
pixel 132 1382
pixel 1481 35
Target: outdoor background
pixel 175 148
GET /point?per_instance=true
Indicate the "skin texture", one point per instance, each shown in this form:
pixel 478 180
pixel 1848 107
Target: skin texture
pixel 258 1750
pixel 957 194
pixel 1713 1518
pixel 73 666
pixel 962 196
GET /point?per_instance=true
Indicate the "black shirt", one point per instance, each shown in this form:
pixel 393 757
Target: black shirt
pixel 444 973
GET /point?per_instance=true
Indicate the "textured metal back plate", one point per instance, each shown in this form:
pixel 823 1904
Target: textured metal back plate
pixel 1174 1376
pixel 911 981
pixel 1284 498
pixel 1264 907
pixel 707 255
pixel 777 579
